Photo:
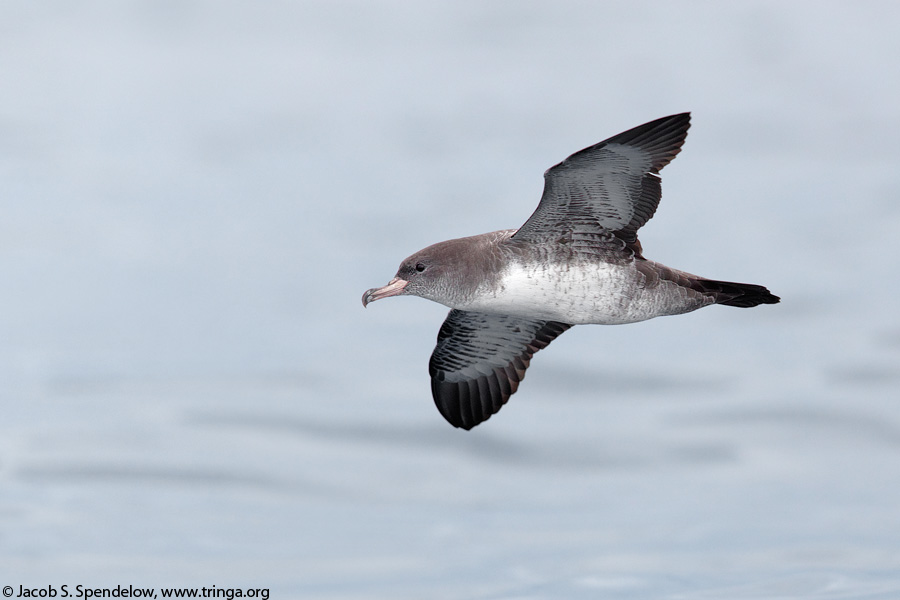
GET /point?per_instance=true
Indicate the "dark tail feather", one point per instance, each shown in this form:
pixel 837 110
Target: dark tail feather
pixel 729 293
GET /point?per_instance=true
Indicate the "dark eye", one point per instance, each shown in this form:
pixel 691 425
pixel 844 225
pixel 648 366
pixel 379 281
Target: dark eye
pixel 420 267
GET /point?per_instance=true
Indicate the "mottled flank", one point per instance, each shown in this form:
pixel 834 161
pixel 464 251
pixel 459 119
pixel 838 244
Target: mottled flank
pixel 576 260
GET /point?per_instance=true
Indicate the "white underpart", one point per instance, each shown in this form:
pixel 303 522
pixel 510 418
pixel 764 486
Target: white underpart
pixel 599 293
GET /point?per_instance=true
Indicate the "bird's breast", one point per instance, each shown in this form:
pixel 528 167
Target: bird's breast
pixel 572 292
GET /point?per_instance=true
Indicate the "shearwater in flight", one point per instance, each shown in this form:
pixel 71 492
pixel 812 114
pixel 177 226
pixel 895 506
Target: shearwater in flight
pixel 575 261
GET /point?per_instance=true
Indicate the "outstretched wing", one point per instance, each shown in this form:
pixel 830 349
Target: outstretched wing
pixel 479 361
pixel 611 186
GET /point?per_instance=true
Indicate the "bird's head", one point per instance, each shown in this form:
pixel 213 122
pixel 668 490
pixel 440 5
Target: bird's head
pixel 448 273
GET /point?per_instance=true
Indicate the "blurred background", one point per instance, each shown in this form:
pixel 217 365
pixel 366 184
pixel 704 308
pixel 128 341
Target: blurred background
pixel 196 193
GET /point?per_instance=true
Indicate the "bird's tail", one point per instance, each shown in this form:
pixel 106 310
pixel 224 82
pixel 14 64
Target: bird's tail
pixel 729 293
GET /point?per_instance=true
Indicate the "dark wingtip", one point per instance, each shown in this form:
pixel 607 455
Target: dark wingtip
pixel 456 403
pixel 662 137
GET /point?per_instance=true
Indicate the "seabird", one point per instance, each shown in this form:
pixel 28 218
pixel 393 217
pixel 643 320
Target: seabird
pixel 577 260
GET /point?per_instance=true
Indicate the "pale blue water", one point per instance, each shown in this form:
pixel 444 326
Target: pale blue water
pixel 196 194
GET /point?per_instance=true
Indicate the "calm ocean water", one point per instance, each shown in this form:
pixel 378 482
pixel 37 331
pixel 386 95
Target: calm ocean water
pixel 196 194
